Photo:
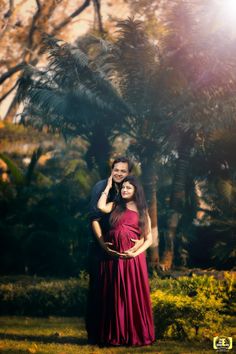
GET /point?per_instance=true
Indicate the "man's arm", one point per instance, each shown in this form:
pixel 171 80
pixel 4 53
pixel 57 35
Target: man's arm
pixel 103 205
pixel 105 245
pixel 98 232
pixel 94 212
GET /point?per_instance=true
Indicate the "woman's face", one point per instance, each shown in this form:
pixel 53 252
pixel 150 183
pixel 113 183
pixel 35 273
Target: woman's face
pixel 127 191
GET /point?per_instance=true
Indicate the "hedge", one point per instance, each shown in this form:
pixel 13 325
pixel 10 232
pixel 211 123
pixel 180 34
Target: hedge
pixel 44 297
pixel 186 307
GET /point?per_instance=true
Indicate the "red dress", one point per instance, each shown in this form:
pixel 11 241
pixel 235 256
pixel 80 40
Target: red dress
pixel 125 314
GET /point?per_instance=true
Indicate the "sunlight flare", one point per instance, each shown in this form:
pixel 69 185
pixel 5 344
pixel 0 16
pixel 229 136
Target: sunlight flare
pixel 228 12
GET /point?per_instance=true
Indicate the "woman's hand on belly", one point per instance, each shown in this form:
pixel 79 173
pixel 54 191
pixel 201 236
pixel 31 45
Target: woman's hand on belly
pixel 131 252
pixel 137 244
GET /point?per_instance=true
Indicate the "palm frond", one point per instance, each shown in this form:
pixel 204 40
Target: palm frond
pixel 133 59
pixel 70 65
pixel 68 91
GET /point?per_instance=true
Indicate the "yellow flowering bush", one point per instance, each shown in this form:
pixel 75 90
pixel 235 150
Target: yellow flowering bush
pixel 182 316
pixel 223 288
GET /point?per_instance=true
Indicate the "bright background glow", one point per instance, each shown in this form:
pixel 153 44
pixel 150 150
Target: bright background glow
pixel 229 10
pixel 227 14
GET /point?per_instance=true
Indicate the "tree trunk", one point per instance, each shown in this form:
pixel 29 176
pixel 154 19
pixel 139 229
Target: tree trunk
pixel 168 255
pixel 97 17
pixel 99 151
pixel 177 200
pixel 149 177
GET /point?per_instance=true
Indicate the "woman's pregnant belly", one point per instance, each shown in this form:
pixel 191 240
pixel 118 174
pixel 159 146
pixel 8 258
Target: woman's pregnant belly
pixel 121 238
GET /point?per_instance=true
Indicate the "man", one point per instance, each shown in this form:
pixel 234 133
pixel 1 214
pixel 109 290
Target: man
pixel 121 168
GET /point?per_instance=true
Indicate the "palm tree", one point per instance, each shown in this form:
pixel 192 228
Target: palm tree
pixel 70 97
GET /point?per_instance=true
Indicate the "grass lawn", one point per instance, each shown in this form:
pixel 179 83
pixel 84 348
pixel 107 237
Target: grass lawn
pixel 63 335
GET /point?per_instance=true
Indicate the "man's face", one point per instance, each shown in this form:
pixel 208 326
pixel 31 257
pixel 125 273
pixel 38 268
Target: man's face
pixel 120 171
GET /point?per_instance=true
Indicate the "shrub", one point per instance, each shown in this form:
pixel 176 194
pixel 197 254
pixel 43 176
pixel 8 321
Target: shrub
pixel 181 316
pixel 44 297
pixel 222 289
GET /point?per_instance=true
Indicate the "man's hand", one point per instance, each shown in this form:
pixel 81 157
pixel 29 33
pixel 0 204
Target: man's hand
pixel 110 251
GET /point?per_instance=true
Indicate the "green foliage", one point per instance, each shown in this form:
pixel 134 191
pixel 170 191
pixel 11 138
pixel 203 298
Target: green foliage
pixel 20 178
pixel 133 62
pixel 44 227
pixel 16 172
pixel 181 316
pixel 222 289
pixel 190 306
pixel 214 164
pixel 72 96
pixel 68 89
pixel 42 297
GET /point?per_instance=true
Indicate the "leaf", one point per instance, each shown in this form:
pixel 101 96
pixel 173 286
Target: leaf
pixel 16 172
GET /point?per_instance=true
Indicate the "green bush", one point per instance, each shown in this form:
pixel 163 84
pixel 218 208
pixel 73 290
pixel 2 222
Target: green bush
pixel 181 316
pixel 188 306
pixel 222 289
pixel 42 297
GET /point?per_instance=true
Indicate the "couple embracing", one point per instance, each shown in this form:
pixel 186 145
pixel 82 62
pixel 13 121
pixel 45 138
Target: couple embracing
pixel 119 309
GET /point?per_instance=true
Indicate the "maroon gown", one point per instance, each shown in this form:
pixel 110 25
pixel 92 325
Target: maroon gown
pixel 125 314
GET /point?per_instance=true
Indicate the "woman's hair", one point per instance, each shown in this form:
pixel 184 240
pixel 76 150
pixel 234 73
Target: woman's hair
pixel 140 201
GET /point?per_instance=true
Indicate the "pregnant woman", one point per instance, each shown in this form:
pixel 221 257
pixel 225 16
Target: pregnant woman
pixel 125 314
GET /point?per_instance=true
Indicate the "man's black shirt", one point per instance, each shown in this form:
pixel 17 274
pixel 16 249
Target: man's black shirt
pixel 95 213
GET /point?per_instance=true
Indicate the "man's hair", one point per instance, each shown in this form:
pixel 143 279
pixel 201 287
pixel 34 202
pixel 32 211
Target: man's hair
pixel 125 160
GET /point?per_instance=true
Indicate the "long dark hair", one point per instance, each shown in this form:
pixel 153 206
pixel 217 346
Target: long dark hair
pixel 140 201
